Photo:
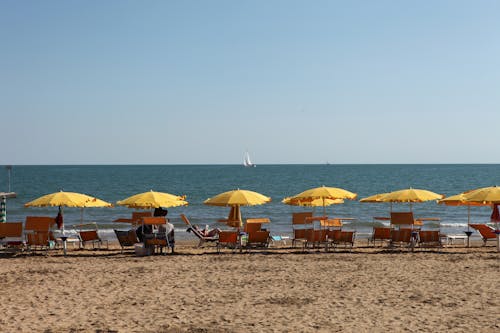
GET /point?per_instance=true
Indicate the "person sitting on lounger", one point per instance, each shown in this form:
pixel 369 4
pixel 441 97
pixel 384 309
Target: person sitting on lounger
pixel 206 232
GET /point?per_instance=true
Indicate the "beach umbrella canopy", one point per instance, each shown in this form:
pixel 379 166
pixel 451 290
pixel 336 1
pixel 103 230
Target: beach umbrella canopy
pixel 152 199
pixel 373 198
pixel 311 202
pixel 458 200
pixel 485 195
pixel 67 199
pixel 410 195
pixel 323 194
pixel 237 198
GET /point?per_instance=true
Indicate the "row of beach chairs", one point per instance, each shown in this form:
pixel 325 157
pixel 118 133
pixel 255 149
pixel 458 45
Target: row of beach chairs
pixel 35 235
pixel 252 236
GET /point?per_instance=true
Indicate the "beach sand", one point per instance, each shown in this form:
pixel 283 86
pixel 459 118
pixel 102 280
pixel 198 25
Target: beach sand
pixel 280 290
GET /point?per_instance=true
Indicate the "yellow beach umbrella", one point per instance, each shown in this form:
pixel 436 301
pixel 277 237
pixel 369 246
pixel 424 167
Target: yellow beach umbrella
pixel 323 194
pixel 67 199
pixel 152 199
pixel 410 195
pixel 235 199
pixel 311 203
pixel 485 195
pixel 373 198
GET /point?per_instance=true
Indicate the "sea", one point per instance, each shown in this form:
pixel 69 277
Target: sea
pixel 200 182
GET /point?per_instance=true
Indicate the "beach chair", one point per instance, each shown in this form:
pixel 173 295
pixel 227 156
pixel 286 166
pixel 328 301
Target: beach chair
pixel 38 234
pixel 300 227
pixel 429 238
pixel 338 237
pixel 196 231
pixel 91 236
pixel 381 234
pixel 227 239
pixel 315 237
pixel 487 232
pixel 401 237
pixel 11 235
pixel 403 218
pixel 159 239
pixel 126 238
pixel 258 239
pixel 256 236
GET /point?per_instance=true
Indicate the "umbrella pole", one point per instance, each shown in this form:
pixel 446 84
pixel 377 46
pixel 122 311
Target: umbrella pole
pixel 497 231
pixel 468 233
pixel 62 214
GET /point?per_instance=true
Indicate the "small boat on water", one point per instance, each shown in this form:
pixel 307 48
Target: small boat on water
pixel 247 162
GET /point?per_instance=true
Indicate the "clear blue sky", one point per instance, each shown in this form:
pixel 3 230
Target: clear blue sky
pixel 173 82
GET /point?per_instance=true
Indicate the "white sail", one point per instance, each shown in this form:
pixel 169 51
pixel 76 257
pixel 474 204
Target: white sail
pixel 246 160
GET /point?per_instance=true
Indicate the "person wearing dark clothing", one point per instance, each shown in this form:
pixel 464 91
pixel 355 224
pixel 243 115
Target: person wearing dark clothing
pixel 143 229
pixel 160 212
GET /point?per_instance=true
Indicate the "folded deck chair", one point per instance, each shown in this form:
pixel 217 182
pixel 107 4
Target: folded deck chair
pixel 196 231
pixel 487 232
pixel 126 238
pixel 227 239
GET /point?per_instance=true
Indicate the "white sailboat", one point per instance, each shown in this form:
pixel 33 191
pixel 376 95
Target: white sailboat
pixel 246 160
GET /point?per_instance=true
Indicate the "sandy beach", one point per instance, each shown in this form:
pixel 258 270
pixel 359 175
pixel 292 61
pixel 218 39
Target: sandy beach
pixel 279 290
